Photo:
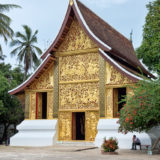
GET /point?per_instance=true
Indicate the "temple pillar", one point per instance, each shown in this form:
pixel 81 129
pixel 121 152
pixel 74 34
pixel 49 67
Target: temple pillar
pixel 56 90
pixel 102 73
pixel 109 103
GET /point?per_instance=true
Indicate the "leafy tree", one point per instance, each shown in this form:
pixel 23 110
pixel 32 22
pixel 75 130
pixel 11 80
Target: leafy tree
pixel 11 112
pixel 25 49
pixel 142 109
pixel 149 51
pixel 5 29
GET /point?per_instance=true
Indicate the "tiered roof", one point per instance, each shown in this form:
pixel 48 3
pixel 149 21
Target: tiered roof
pixel 113 46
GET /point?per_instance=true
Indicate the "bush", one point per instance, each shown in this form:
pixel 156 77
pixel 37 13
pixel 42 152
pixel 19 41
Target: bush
pixel 142 110
pixel 110 145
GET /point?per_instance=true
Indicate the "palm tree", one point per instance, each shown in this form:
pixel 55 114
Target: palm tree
pixel 5 29
pixel 25 49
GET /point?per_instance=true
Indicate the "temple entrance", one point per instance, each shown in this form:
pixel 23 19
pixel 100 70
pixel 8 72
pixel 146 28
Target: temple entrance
pixel 78 126
pixel 44 105
pixel 119 94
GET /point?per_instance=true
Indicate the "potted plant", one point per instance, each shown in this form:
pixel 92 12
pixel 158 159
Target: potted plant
pixel 109 146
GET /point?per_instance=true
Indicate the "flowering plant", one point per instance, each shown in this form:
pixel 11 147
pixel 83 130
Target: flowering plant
pixel 110 145
pixel 142 109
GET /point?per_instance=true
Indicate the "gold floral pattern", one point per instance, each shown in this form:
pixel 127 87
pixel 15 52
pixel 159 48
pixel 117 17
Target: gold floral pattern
pixel 65 125
pixel 92 118
pixel 76 39
pixel 79 67
pixel 79 96
pixel 45 81
pixel 115 77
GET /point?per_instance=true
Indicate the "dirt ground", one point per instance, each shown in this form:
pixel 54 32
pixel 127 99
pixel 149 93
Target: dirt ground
pixel 68 152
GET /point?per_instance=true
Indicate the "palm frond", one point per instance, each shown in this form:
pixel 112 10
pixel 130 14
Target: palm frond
pixel 15 43
pixel 1 51
pixel 20 35
pixel 39 51
pixel 28 32
pixel 8 7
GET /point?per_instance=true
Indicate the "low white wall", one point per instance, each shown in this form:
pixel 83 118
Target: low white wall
pixel 35 133
pixel 109 128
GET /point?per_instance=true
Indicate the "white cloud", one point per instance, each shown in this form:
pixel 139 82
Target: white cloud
pixel 105 3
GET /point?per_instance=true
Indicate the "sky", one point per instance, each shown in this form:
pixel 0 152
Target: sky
pixel 47 16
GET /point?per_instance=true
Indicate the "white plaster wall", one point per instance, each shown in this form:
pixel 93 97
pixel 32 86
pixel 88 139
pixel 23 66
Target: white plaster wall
pixel 154 133
pixel 35 133
pixel 109 128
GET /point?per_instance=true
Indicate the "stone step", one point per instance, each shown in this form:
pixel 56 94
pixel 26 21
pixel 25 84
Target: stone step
pixel 73 143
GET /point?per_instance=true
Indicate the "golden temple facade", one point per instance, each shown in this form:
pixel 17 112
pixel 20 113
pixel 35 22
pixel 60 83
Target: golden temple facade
pixel 78 83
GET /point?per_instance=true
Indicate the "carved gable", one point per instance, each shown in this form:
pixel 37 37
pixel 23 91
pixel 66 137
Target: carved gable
pixel 113 77
pixel 45 81
pixel 76 39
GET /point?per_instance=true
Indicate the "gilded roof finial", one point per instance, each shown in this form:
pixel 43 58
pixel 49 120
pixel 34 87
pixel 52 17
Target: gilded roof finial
pixel 71 2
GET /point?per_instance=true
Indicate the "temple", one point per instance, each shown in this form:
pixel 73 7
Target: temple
pixel 74 94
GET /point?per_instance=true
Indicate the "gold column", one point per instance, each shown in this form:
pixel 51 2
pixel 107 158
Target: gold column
pixel 39 105
pixel 102 73
pixel 115 102
pixel 27 104
pixel 91 122
pixel 109 102
pixel 33 105
pixel 65 126
pixel 56 90
pixel 50 105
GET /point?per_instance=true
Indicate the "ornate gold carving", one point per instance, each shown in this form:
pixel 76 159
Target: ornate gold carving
pixel 45 81
pixel 129 91
pixel 115 101
pixel 115 77
pixel 92 118
pixel 50 105
pixel 39 105
pixel 27 104
pixel 56 91
pixel 79 96
pixel 79 67
pixel 109 103
pixel 76 39
pixel 33 106
pixel 82 81
pixel 76 52
pixel 102 71
pixel 65 125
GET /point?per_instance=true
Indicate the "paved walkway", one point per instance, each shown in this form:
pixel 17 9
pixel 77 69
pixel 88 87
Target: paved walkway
pixel 69 153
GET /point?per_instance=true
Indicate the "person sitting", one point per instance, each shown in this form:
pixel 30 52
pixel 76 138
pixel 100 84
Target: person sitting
pixel 135 142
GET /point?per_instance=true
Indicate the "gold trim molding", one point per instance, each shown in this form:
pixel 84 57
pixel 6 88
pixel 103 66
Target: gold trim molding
pixel 76 52
pixel 82 81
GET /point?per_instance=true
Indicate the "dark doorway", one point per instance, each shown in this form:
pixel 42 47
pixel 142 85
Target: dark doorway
pixel 121 96
pixel 78 126
pixel 44 105
pixel 118 94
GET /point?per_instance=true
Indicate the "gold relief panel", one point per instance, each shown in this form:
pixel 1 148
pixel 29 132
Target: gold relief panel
pixel 79 67
pixel 27 104
pixel 45 81
pixel 92 118
pixel 33 106
pixel 39 105
pixel 76 39
pixel 109 103
pixel 115 77
pixel 65 126
pixel 79 96
pixel 50 105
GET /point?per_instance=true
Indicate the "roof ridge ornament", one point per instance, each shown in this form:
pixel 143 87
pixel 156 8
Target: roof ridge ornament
pixel 71 2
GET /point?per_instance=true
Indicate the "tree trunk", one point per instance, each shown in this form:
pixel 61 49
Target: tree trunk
pixel 156 143
pixel 5 132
